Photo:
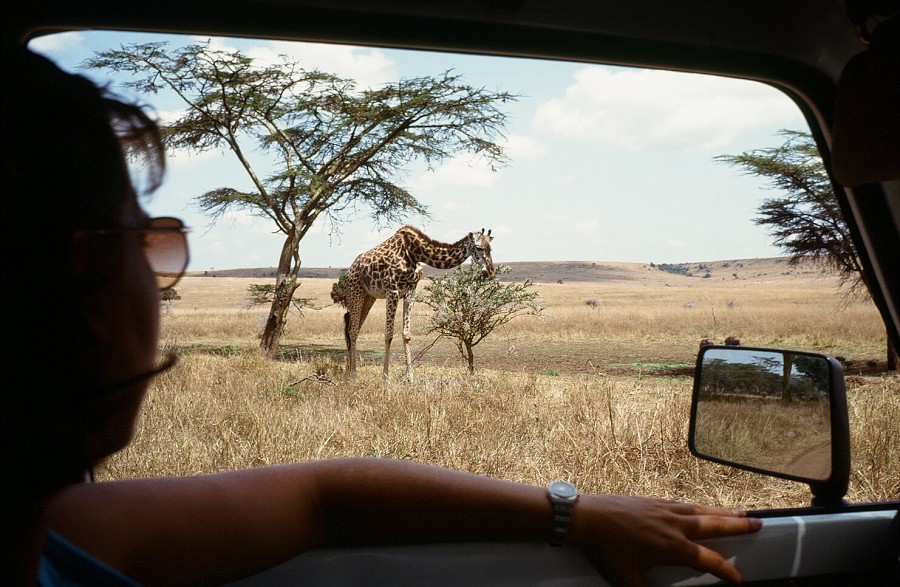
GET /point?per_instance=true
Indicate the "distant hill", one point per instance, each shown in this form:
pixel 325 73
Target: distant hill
pixel 568 271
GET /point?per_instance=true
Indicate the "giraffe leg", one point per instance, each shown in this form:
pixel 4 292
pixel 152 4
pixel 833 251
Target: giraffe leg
pixel 407 310
pixel 351 331
pixel 351 346
pixel 391 299
pixel 354 320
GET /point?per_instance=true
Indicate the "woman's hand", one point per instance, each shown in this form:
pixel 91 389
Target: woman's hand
pixel 625 536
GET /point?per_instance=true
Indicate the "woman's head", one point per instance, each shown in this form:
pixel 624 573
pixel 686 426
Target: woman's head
pixel 81 301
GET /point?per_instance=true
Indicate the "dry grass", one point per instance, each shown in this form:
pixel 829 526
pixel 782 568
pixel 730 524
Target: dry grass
pixel 518 418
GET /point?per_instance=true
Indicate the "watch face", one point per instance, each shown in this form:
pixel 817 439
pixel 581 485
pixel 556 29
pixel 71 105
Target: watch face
pixel 563 489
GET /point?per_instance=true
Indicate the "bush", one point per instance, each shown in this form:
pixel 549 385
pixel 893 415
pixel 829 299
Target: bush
pixel 170 294
pixel 468 307
pixel 672 268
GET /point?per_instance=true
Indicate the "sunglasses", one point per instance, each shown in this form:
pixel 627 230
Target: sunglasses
pixel 164 241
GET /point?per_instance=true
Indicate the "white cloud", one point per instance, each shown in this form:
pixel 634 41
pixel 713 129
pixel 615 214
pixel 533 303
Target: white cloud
pixel 455 206
pixel 49 44
pixel 169 116
pixel 177 159
pixel 637 108
pixel 213 245
pixel 243 219
pixel 676 244
pixel 501 230
pixel 370 67
pixel 461 171
pixel 587 226
pixel 520 147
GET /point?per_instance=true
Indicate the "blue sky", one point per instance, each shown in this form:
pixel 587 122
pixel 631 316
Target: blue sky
pixel 607 163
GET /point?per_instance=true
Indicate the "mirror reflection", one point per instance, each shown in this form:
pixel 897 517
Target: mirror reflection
pixel 765 409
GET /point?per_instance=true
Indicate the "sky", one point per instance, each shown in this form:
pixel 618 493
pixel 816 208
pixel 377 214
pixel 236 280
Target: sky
pixel 607 164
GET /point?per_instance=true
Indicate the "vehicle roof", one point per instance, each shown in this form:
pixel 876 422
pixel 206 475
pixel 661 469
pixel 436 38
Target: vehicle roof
pixel 802 46
pixel 744 37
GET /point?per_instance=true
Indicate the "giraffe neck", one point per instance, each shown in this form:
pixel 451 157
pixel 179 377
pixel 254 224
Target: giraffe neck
pixel 436 254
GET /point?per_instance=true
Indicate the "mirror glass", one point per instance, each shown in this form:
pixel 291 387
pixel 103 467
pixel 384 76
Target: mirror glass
pixel 764 409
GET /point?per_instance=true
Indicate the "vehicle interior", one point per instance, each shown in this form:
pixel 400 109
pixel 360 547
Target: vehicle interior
pixel 838 60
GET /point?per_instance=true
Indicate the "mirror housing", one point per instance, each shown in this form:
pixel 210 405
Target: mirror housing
pixel 781 413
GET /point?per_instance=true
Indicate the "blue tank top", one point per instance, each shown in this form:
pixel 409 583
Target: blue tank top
pixel 65 565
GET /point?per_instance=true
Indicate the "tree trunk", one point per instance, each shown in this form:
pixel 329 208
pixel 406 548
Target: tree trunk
pixel 470 358
pixel 285 286
pixel 275 323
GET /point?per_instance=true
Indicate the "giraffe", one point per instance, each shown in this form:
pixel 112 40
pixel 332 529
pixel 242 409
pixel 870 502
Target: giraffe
pixel 392 271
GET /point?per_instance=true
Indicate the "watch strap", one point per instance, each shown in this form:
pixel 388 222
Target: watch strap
pixel 562 517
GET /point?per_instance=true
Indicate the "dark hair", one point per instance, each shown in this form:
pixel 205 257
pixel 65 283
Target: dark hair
pixel 66 147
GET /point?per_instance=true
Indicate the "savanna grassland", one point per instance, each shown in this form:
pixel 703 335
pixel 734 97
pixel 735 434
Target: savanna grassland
pixel 596 391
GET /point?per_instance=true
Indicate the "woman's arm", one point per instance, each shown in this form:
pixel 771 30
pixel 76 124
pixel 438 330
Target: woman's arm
pixel 215 528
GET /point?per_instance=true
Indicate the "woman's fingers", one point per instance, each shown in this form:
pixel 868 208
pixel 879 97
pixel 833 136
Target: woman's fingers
pixel 705 526
pixel 712 562
pixel 720 526
pixel 630 535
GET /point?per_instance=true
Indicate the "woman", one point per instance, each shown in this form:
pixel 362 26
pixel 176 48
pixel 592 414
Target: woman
pixel 74 228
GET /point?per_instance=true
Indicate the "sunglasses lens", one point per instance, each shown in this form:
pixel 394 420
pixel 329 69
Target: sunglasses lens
pixel 166 250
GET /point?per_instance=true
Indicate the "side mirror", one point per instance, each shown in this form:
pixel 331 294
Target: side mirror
pixel 777 412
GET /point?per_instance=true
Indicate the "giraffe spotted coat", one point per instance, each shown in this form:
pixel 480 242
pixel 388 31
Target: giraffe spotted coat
pixel 391 271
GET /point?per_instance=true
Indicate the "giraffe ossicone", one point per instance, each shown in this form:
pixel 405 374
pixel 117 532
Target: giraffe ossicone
pixel 391 271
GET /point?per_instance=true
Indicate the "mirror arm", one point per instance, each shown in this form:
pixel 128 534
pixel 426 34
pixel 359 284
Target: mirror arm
pixel 831 493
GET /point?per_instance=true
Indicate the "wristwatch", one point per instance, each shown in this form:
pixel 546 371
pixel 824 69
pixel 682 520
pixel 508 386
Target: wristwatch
pixel 562 496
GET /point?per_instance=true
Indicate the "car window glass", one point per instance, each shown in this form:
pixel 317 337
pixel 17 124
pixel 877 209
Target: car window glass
pixel 614 203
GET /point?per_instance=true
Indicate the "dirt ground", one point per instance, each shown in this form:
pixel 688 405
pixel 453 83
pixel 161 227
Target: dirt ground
pixel 547 357
pixel 572 357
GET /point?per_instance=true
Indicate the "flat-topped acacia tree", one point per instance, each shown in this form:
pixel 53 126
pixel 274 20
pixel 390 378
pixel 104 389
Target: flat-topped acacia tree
pixel 803 215
pixel 331 149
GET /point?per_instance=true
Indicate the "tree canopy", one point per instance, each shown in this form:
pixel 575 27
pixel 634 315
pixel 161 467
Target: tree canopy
pixel 333 149
pixel 805 220
pixel 467 307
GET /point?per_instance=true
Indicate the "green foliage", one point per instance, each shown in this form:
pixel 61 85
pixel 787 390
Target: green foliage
pixel 170 294
pixel 765 378
pixel 468 307
pixel 673 268
pixel 805 220
pixel 337 288
pixel 260 293
pixel 264 293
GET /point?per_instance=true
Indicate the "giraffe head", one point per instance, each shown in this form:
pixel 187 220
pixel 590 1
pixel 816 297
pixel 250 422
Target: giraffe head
pixel 480 251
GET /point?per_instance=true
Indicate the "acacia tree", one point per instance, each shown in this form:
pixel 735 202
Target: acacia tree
pixel 332 149
pixel 467 307
pixel 805 221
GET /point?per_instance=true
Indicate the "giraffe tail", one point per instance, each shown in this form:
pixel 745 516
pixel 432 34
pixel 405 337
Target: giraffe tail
pixel 347 329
